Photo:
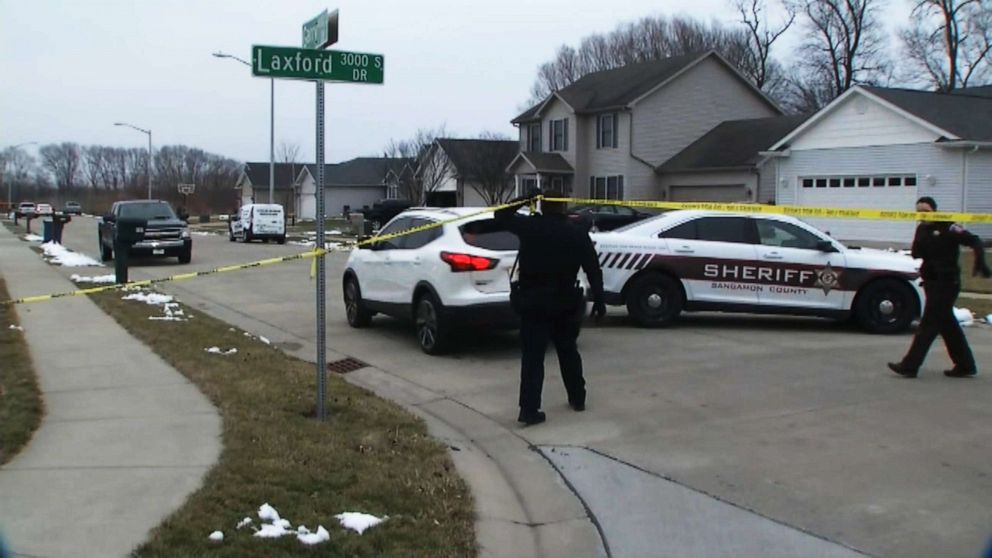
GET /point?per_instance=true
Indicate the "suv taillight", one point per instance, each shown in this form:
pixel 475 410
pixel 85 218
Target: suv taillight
pixel 468 262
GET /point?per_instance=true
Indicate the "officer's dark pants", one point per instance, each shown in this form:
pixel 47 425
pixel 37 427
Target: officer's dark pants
pixel 535 332
pixel 938 319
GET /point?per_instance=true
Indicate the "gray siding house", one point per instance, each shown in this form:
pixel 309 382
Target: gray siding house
pixel 883 148
pixel 608 134
pixel 348 186
pixel 467 172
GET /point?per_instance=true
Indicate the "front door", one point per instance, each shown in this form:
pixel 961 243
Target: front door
pixel 803 275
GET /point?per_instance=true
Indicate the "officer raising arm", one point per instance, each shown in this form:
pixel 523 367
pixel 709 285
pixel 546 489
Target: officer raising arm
pixel 937 244
pixel 548 299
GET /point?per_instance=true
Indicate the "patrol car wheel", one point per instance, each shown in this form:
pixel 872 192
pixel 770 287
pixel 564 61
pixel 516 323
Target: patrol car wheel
pixel 886 306
pixel 358 315
pixel 654 300
pixel 431 331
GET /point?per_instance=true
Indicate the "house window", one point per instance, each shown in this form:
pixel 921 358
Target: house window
pixel 534 137
pixel 893 180
pixel 606 187
pixel 559 135
pixel 606 130
pixel 393 192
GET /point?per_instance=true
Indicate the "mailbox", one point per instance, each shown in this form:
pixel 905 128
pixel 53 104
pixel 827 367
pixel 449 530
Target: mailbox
pixel 127 233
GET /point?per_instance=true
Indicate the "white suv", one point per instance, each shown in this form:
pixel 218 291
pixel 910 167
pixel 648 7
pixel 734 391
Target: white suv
pixel 705 260
pixel 441 279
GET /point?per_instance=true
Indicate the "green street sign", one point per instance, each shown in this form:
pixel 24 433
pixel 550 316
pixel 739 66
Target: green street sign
pixel 321 31
pixel 320 65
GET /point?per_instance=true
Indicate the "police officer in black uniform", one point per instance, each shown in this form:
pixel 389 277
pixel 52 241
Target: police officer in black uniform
pixel 548 299
pixel 937 244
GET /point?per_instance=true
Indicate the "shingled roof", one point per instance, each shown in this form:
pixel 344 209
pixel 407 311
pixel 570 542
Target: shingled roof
pixel 734 144
pixel 966 113
pixel 469 155
pixel 361 171
pixel 617 88
pixel 258 174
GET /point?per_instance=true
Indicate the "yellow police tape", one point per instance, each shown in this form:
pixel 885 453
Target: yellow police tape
pixel 795 211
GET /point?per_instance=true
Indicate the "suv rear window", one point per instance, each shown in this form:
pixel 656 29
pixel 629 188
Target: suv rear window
pixel 489 235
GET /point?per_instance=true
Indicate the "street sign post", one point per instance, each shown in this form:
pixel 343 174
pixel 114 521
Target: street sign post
pixel 321 31
pixel 316 65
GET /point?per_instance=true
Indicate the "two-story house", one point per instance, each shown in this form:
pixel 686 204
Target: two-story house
pixel 609 134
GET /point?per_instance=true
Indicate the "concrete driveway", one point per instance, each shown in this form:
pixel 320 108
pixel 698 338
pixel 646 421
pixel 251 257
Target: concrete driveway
pixel 794 421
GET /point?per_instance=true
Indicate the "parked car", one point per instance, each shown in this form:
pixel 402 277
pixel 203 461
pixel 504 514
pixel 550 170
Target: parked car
pixel 383 211
pixel 165 234
pixel 263 221
pixel 72 208
pixel 706 260
pixel 43 209
pixel 441 279
pixel 606 217
pixel 25 209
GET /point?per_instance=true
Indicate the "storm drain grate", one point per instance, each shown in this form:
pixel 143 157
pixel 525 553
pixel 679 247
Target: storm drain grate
pixel 345 365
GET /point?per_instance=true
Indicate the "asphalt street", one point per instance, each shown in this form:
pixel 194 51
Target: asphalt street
pixel 794 421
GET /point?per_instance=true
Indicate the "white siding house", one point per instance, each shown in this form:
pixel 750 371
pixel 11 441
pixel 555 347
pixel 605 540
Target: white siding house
pixel 884 148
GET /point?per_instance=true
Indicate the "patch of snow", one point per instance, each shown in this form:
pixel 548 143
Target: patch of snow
pixel 93 279
pixel 964 316
pixel 334 231
pixel 268 513
pixel 60 255
pixel 32 238
pixel 263 339
pixel 216 536
pixel 244 523
pixel 269 531
pixel 314 538
pixel 153 299
pixel 359 522
pixel 219 351
pixel 249 335
pixel 201 233
pixel 17 327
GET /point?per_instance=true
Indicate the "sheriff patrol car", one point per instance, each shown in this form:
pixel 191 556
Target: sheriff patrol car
pixel 705 260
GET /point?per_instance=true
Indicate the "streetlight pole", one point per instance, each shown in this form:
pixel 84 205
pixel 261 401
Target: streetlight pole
pixel 149 132
pixel 3 171
pixel 272 123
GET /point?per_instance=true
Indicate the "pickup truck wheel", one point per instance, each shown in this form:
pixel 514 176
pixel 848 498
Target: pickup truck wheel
pixel 186 255
pixel 654 300
pixel 886 306
pixel 106 253
pixel 358 316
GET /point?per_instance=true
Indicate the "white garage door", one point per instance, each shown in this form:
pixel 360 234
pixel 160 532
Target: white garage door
pixel 873 192
pixel 716 193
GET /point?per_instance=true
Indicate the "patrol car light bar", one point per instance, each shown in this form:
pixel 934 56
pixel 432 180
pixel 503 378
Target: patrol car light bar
pixel 468 262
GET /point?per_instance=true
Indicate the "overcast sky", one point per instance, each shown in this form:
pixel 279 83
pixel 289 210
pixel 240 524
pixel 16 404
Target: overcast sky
pixel 72 68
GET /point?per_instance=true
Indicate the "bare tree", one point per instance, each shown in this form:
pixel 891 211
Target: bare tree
pixel 950 42
pixel 844 46
pixel 16 166
pixel 63 161
pixel 764 71
pixel 644 40
pixel 430 170
pixel 93 165
pixel 486 167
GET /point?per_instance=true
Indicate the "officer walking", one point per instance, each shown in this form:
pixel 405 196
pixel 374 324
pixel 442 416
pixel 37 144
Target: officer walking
pixel 937 244
pixel 548 299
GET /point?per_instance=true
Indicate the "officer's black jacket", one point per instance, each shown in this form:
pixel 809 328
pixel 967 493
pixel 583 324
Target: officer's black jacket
pixel 552 250
pixel 938 244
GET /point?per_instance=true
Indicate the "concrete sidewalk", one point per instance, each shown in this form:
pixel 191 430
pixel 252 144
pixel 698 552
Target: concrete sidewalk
pixel 125 438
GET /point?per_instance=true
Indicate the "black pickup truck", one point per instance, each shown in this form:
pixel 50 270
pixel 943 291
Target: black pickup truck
pixel 165 234
pixel 383 211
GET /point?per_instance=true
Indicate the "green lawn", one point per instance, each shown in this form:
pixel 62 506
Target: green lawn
pixel 371 456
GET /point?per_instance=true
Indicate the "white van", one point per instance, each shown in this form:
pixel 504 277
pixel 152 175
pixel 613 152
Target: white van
pixel 263 221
